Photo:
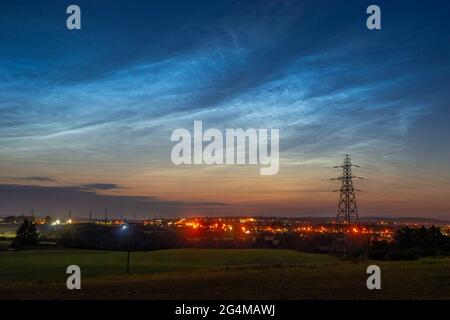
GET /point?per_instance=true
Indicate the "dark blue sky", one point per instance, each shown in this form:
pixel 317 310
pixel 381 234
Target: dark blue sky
pixel 104 100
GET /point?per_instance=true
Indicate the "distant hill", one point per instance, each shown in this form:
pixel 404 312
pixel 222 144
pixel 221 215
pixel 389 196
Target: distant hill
pixel 419 220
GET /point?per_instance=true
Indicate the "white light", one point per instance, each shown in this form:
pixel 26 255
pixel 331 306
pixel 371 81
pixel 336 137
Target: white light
pixel 124 227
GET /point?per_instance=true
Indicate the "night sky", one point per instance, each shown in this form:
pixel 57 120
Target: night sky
pixel 86 115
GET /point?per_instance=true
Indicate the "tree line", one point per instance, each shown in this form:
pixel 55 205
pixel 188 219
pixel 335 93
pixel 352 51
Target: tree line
pixel 408 243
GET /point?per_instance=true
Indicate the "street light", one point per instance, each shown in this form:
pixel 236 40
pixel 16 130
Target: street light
pixel 127 229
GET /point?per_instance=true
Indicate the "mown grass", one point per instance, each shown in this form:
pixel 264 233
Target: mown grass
pixel 4 244
pixel 47 265
pixel 217 274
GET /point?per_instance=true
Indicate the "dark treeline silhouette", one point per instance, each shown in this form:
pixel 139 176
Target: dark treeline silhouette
pixel 408 243
pixel 93 236
pixel 26 235
pixel 411 243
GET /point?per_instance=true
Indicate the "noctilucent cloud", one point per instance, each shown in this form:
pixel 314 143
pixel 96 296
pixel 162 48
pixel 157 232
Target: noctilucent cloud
pixel 86 115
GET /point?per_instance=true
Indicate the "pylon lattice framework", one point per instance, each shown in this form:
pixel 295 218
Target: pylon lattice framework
pixel 347 212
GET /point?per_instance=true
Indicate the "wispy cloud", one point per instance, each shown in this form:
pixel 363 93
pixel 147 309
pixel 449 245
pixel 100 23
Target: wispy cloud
pixel 101 186
pixel 35 179
pixel 329 85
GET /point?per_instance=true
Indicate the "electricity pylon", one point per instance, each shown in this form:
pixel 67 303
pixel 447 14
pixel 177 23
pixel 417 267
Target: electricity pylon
pixel 347 212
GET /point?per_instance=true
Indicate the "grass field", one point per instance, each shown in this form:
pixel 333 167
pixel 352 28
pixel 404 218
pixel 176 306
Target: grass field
pixel 215 274
pixel 48 265
pixel 4 244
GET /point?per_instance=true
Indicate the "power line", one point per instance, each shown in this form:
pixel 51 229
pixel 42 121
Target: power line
pixel 347 212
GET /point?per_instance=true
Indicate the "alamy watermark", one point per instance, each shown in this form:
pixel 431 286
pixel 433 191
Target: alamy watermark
pixel 236 146
pixel 374 280
pixel 73 21
pixel 374 20
pixel 74 280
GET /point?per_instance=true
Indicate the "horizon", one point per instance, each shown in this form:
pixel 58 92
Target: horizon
pixel 87 115
pixel 99 217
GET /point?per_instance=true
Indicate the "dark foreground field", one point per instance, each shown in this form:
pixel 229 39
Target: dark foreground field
pixel 215 274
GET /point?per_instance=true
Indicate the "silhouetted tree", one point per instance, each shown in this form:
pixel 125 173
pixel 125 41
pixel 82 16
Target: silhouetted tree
pixel 412 243
pixel 26 235
pixel 48 220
